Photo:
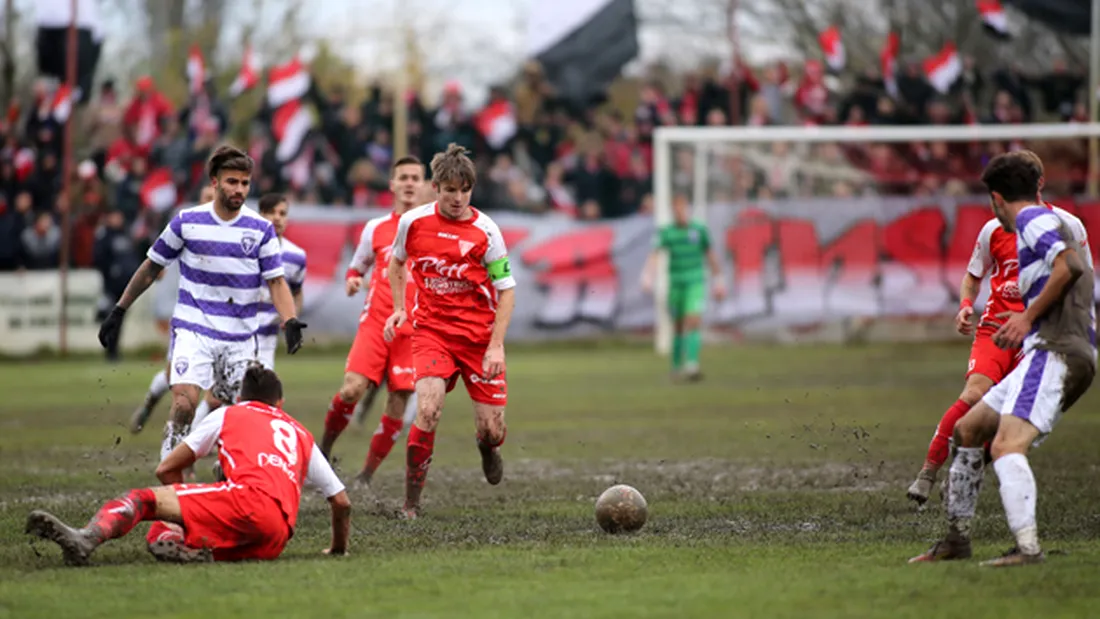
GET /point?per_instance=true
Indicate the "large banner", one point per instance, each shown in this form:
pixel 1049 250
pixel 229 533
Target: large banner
pixel 792 266
pixel 796 270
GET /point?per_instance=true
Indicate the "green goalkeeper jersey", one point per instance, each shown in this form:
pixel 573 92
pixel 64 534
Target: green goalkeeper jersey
pixel 687 252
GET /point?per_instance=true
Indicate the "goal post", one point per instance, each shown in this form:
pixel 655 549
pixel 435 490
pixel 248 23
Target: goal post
pixel 696 160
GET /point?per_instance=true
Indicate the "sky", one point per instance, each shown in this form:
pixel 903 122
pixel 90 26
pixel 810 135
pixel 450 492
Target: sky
pixel 477 42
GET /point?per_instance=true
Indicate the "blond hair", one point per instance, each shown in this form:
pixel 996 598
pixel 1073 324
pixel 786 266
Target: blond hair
pixel 454 166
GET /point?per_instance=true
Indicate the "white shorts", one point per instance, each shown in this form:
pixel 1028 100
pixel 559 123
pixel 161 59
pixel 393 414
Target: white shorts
pixel 210 364
pixel 267 344
pixel 1035 391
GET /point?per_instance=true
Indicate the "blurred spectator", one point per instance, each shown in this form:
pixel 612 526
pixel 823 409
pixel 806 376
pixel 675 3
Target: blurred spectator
pixel 116 259
pixel 140 158
pixel 42 243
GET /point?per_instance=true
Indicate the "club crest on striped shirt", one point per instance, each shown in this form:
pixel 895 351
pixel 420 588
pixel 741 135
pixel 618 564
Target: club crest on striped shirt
pixel 248 243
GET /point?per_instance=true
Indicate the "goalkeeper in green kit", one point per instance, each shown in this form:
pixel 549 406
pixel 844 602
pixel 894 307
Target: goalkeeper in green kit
pixel 689 256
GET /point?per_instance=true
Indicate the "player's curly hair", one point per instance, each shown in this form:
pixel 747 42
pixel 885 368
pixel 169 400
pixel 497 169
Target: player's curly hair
pixel 261 385
pixel 1014 175
pixel 454 166
pixel 227 157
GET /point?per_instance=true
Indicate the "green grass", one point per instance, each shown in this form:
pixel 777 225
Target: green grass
pixel 776 489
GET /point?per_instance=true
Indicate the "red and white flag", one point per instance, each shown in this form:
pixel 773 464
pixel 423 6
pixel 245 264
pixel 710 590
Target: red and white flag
pixel 196 70
pixel 497 123
pixel 248 76
pixel 287 82
pixel 944 68
pixel 290 125
pixel 158 192
pixel 62 105
pixel 24 163
pixel 889 59
pixel 994 20
pixel 833 47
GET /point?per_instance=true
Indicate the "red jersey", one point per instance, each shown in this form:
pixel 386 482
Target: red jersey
pixel 263 448
pixel 375 247
pixel 995 255
pixel 457 267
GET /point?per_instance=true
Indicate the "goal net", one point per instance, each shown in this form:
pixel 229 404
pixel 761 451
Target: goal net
pixel 848 233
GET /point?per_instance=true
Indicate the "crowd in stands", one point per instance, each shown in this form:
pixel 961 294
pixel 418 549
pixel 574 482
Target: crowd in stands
pixel 139 155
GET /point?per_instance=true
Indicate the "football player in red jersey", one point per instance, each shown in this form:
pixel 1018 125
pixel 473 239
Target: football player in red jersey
pixel 464 297
pixel 267 456
pixel 372 359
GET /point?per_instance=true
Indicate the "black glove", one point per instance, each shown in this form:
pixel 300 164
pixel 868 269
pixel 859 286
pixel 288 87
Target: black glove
pixel 111 327
pixel 293 328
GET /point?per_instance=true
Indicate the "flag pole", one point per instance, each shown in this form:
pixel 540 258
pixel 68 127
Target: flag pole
pixel 1093 95
pixel 400 139
pixel 66 175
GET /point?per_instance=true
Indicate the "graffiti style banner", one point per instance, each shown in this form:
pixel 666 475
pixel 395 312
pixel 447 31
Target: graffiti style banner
pixel 787 264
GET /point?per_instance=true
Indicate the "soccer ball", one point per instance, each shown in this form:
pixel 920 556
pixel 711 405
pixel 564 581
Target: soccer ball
pixel 621 509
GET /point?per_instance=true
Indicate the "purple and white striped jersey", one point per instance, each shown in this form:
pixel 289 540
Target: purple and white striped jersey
pixel 294 266
pixel 1070 325
pixel 224 268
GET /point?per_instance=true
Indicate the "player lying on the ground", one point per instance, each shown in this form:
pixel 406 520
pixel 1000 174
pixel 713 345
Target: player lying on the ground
pixel 1058 333
pixel 267 456
pixel 465 294
pixel 689 251
pixel 994 255
pixel 373 360
pixel 227 253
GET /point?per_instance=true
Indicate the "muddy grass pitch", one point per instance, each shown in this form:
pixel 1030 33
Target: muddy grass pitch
pixel 775 488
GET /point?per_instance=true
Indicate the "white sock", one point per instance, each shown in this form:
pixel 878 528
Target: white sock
pixel 410 410
pixel 159 386
pixel 966 482
pixel 173 435
pixel 1018 493
pixel 201 411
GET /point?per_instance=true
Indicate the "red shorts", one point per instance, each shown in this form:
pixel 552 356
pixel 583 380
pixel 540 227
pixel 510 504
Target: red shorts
pixel 989 360
pixel 236 523
pixel 376 359
pixel 436 355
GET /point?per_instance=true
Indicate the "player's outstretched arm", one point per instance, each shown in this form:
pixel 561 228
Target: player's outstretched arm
pixel 170 470
pixel 321 476
pixel 111 328
pixel 340 506
pixel 968 293
pixel 144 277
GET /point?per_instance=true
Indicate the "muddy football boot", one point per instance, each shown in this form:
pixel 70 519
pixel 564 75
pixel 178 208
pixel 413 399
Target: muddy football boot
pixel 76 544
pixel 950 548
pixel 921 489
pixel 1014 558
pixel 174 551
pixel 142 414
pixel 492 463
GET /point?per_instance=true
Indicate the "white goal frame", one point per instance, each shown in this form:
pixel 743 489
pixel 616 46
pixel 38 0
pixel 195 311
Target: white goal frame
pixel 705 138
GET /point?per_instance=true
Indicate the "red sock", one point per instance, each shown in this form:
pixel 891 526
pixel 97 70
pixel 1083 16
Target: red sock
pixel 339 416
pixel 118 516
pixel 418 456
pixel 937 451
pixel 483 439
pixel 382 442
